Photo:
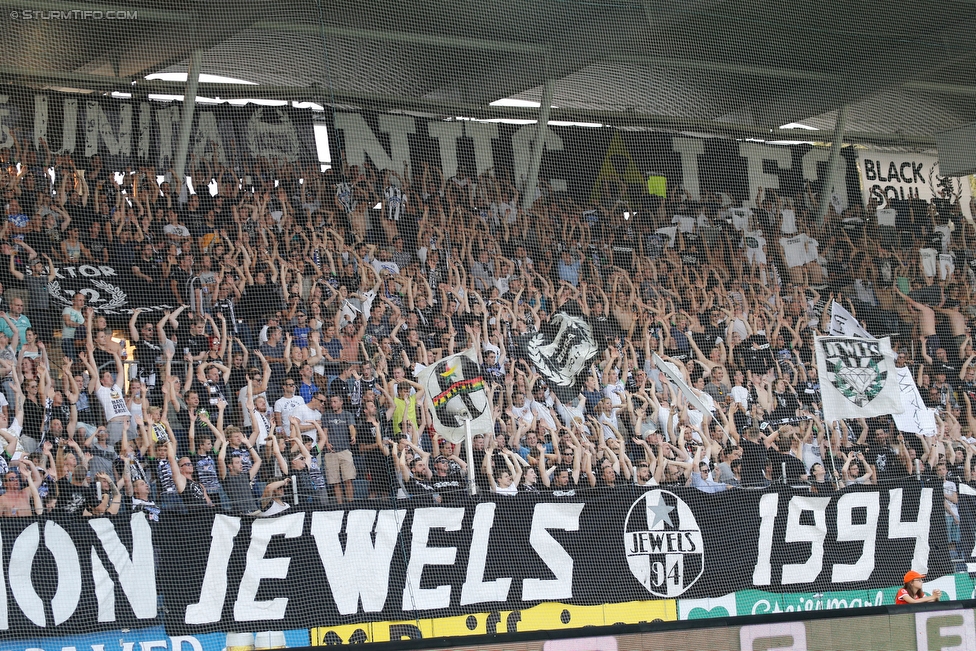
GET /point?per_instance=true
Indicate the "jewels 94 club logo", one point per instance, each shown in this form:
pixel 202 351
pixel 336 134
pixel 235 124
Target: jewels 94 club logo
pixel 855 368
pixel 664 544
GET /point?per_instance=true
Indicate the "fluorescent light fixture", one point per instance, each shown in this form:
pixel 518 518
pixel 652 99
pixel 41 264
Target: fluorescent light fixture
pixel 520 103
pixel 586 125
pixel 204 77
pixel 797 125
pixel 261 102
pixel 321 132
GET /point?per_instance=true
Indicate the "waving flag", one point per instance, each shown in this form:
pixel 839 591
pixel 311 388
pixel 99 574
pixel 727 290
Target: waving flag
pixel 455 393
pixel 858 377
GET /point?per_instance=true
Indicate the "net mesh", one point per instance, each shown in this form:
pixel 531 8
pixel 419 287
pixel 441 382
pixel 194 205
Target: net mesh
pixel 688 277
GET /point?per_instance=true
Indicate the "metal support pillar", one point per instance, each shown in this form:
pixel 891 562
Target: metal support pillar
pixel 186 124
pixel 545 108
pixel 832 164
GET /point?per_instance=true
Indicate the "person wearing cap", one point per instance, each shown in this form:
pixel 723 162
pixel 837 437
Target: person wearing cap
pixel 912 593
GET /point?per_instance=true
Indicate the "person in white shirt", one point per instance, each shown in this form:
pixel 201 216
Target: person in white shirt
pixel 286 404
pixel 739 392
pixel 110 395
pixel 255 387
pixel 310 414
pixel 508 477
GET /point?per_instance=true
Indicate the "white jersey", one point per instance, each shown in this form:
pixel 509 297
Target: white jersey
pixel 755 245
pixel 794 250
pixel 113 402
pixel 813 249
pixel 787 224
pixel 285 407
pixel 394 202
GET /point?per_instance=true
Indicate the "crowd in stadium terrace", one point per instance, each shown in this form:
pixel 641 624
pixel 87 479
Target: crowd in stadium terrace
pixel 304 302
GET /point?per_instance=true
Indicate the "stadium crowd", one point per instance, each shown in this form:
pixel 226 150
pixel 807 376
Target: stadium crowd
pixel 304 302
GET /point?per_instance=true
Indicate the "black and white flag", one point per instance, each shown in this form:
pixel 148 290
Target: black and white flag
pixel 560 359
pixel 844 324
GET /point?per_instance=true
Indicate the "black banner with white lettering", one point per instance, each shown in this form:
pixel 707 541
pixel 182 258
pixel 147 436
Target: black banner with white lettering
pixel 126 132
pixel 109 291
pixel 321 568
pixel 72 575
pixel 579 160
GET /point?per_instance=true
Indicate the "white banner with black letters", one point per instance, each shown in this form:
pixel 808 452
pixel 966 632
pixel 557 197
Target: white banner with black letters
pixel 892 175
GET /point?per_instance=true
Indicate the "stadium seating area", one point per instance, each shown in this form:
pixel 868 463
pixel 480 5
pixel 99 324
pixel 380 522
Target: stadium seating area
pixel 276 326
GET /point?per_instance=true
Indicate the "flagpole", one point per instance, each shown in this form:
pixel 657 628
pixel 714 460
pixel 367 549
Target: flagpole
pixel 469 439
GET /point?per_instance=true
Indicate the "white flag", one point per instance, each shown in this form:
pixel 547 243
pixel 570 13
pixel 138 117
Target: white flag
pixel 454 393
pixel 678 381
pixel 917 417
pixel 858 377
pixel 843 323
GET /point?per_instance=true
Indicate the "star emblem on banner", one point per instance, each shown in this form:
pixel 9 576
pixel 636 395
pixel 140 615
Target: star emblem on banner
pixel 661 513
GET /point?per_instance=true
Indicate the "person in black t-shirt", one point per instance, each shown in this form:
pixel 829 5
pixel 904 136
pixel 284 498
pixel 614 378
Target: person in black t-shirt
pixel 447 476
pixel 198 342
pixel 796 470
pixel 755 457
pixel 757 354
pixel 786 403
pixel 75 497
pixel 148 356
pixel 887 461
pixel 179 278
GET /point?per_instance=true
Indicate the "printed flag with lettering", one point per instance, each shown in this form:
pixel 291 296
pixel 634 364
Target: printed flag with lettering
pixel 858 377
pixel 915 417
pixel 845 324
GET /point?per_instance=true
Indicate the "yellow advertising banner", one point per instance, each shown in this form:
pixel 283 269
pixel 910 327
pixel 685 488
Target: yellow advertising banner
pixel 544 617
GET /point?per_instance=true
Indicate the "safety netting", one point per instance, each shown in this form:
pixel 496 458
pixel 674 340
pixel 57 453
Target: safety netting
pixel 334 323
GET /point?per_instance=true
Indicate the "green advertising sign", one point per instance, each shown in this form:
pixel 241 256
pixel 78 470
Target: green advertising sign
pixel 757 602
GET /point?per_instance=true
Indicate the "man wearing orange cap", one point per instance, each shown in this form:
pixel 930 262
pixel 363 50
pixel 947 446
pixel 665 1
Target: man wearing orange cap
pixel 912 593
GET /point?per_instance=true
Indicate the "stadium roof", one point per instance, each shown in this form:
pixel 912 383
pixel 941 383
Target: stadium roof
pixel 744 68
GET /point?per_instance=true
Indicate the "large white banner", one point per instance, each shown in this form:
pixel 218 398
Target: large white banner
pixel 917 417
pixel 898 175
pixel 858 377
